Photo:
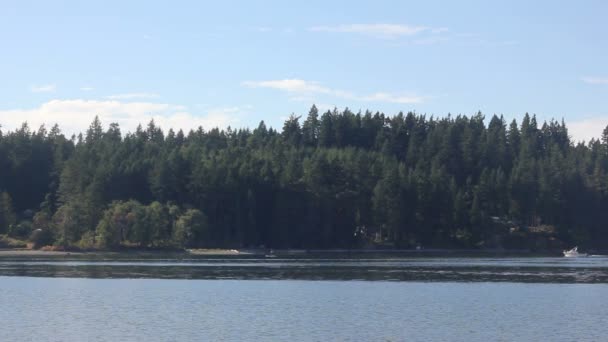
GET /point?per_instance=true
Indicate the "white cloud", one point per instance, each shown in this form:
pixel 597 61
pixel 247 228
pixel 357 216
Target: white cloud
pixel 130 96
pixel 595 80
pixel 74 116
pixel 301 90
pixel 588 128
pixel 47 88
pixel 289 85
pixel 387 31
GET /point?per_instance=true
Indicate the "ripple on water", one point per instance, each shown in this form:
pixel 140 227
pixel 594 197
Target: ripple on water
pixel 541 270
pixel 68 309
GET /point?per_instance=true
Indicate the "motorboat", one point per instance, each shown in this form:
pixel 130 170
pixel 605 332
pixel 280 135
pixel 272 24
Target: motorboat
pixel 573 253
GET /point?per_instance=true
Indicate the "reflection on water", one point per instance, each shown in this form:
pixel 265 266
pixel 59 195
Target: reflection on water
pixel 541 270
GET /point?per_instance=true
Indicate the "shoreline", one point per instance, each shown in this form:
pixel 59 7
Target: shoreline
pixel 35 252
pixel 218 252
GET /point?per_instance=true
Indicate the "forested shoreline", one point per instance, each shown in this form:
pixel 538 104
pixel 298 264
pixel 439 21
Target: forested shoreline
pixel 326 180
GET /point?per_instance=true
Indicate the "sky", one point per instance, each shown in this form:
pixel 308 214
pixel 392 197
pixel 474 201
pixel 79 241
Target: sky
pixel 234 63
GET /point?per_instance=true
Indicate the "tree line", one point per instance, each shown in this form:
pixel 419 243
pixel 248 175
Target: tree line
pixel 333 180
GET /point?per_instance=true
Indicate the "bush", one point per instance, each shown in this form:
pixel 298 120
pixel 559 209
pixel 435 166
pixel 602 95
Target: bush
pixel 192 226
pixel 41 238
pixel 8 242
pixel 87 241
pixel 20 230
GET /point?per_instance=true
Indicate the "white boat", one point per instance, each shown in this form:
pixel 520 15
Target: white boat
pixel 573 253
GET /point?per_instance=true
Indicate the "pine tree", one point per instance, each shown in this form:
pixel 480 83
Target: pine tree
pixel 311 127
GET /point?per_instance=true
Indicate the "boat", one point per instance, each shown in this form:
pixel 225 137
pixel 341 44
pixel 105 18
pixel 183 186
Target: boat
pixel 573 253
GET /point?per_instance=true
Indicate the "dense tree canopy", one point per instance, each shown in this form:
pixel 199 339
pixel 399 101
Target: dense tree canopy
pixel 335 180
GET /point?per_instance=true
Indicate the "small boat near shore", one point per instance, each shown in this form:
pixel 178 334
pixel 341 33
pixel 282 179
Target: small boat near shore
pixel 573 253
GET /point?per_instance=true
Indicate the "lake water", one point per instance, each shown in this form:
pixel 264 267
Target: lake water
pixel 305 299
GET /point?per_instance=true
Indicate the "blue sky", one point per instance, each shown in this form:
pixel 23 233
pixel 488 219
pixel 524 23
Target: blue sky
pixel 190 63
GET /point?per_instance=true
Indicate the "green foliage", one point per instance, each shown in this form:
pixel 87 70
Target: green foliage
pixel 42 220
pixel 7 215
pixel 20 230
pixel 40 238
pixel 68 224
pixel 122 222
pixel 334 180
pixel 158 224
pixel 9 242
pixel 191 228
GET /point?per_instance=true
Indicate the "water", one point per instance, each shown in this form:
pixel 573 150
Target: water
pixel 453 269
pixel 305 299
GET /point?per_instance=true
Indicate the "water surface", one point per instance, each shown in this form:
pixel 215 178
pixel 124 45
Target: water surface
pixel 541 270
pixel 304 299
pixel 72 309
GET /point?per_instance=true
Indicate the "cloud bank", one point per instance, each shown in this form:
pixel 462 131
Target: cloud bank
pixel 588 128
pixel 74 116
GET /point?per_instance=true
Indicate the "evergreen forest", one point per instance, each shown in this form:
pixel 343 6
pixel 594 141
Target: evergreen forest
pixel 337 179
